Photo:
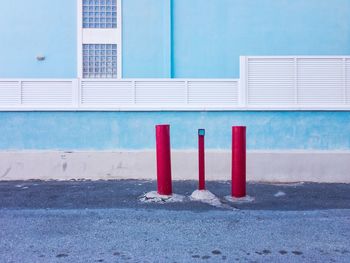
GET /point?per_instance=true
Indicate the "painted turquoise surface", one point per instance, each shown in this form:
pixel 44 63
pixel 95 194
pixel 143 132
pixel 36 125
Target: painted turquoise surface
pixel 38 27
pixel 209 36
pixel 136 130
pixel 146 39
pixel 205 40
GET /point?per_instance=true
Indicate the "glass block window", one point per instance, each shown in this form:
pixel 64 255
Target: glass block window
pixel 99 13
pixel 99 61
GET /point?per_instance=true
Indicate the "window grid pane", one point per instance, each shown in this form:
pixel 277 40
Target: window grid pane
pixel 99 13
pixel 99 61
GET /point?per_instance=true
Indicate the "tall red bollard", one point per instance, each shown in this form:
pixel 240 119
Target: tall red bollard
pixel 163 159
pixel 238 161
pixel 201 160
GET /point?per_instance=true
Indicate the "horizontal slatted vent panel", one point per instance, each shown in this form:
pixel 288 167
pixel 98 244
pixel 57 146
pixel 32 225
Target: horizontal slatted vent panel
pixel 347 79
pixel 270 81
pixel 213 92
pixel 9 93
pixel 160 92
pixel 47 93
pixel 106 93
pixel 320 81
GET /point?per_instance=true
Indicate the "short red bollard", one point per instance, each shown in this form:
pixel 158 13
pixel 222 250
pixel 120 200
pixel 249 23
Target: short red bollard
pixel 163 159
pixel 201 160
pixel 238 161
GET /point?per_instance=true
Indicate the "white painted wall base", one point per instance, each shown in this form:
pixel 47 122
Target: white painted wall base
pixel 277 166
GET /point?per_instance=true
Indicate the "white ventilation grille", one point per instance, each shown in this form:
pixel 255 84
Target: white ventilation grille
pixel 270 81
pixel 296 82
pixel 320 81
pixel 9 93
pixel 267 83
pixel 106 93
pixel 213 92
pixel 47 93
pixel 347 79
pixel 160 92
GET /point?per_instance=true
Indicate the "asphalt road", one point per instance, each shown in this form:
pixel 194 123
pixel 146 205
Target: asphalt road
pixel 104 221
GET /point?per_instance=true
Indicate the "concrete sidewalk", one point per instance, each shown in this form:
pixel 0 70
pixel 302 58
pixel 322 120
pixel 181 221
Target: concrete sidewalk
pixel 103 221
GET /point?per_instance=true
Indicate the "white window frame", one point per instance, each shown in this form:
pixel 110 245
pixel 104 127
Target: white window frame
pixel 99 36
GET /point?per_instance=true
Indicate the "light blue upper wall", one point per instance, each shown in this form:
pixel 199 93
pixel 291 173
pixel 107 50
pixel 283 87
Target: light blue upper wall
pixel 146 39
pixel 209 36
pixel 38 27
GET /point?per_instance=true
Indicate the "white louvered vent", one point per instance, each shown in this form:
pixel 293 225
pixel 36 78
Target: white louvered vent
pixel 270 81
pixel 320 81
pixel 213 92
pixel 267 83
pixel 160 92
pixel 53 93
pixel 10 93
pixel 106 93
pixel 347 79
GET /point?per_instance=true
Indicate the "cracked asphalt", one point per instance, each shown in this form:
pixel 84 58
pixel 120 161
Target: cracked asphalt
pixel 104 221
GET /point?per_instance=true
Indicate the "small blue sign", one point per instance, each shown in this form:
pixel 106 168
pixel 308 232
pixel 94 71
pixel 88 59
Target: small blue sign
pixel 201 132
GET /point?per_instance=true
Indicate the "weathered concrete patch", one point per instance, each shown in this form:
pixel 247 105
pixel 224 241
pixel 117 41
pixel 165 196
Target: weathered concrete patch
pixel 207 197
pixel 245 199
pixel 154 197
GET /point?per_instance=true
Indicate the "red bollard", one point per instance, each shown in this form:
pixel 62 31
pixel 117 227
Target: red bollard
pixel 238 161
pixel 201 160
pixel 163 159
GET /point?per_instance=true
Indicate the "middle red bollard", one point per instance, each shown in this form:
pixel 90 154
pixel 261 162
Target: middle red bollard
pixel 163 159
pixel 201 160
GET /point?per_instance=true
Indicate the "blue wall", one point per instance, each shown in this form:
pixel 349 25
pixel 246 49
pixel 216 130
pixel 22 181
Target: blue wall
pixel 146 38
pixel 209 36
pixel 135 130
pixel 205 40
pixel 38 27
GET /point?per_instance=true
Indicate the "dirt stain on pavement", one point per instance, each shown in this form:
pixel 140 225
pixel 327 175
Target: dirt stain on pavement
pixel 264 252
pixel 343 251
